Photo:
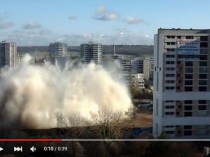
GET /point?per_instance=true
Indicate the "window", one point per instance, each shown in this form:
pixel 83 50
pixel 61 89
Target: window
pixel 169 113
pixel 170 69
pixel 179 37
pixel 189 37
pixel 189 70
pixel 188 82
pixel 188 63
pixel 170 37
pixel 169 81
pixel 203 63
pixel 202 101
pixel 188 76
pixel 202 82
pixel 188 107
pixel 169 132
pixel 170 50
pixel 169 107
pixel 188 114
pixel 203 57
pixel 188 133
pixel 187 126
pixel 188 101
pixel 202 88
pixel 169 126
pixel 169 62
pixel 188 89
pixel 169 75
pixel 202 107
pixel 170 43
pixel 202 76
pixel 204 51
pixel 170 56
pixel 169 88
pixel 203 70
pixel 204 38
pixel 203 44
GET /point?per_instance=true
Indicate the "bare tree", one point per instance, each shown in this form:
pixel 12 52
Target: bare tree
pixel 107 124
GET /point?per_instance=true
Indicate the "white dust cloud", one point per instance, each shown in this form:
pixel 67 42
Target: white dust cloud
pixel 32 96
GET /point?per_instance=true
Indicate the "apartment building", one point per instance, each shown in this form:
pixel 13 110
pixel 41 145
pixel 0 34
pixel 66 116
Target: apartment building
pixel 138 81
pixel 91 52
pixel 58 49
pixel 8 54
pixel 148 68
pixel 181 99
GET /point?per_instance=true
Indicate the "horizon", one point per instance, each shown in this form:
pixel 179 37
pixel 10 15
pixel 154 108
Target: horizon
pixel 37 23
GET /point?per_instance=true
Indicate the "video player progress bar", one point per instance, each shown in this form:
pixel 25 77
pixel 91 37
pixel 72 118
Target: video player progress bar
pixel 99 140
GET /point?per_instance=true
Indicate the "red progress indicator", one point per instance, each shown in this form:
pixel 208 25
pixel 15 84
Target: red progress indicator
pixel 30 140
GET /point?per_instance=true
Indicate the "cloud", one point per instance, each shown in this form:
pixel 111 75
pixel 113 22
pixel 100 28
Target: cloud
pixel 5 24
pixel 119 37
pixel 32 25
pixel 102 14
pixel 72 17
pixel 133 20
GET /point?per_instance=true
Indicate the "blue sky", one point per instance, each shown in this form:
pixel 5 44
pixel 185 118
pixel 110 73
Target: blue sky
pixel 39 22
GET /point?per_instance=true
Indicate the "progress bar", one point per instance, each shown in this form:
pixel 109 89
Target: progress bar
pixel 99 140
pixel 30 140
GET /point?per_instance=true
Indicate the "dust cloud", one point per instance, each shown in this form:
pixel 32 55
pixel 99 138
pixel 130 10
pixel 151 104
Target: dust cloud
pixel 31 96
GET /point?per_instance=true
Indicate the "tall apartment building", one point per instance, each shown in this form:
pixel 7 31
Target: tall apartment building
pixel 8 54
pixel 137 65
pixel 125 64
pixel 138 80
pixel 148 68
pixel 58 49
pixel 91 52
pixel 181 99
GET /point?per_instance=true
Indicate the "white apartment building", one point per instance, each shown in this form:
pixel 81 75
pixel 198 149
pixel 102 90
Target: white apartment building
pixel 148 68
pixel 8 54
pixel 181 99
pixel 58 49
pixel 91 52
pixel 138 80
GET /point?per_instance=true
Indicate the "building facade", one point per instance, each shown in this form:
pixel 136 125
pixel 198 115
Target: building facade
pixel 138 81
pixel 181 99
pixel 137 65
pixel 8 54
pixel 58 49
pixel 91 52
pixel 148 68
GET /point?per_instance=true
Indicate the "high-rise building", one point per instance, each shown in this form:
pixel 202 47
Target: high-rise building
pixel 148 68
pixel 91 52
pixel 8 54
pixel 137 65
pixel 181 99
pixel 125 64
pixel 138 81
pixel 58 49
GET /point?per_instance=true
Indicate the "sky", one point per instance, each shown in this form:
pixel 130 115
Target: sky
pixel 133 22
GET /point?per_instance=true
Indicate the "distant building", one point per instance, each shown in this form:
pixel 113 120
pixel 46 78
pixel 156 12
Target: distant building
pixel 125 69
pixel 137 65
pixel 181 97
pixel 91 52
pixel 58 49
pixel 148 68
pixel 138 80
pixel 8 54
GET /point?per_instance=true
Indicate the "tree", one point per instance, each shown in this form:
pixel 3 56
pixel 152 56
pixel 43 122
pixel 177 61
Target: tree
pixel 72 127
pixel 107 124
